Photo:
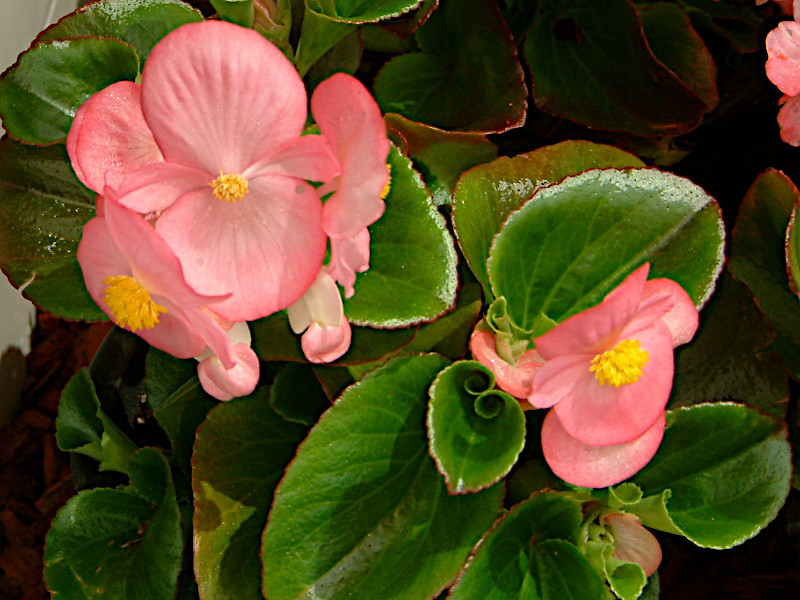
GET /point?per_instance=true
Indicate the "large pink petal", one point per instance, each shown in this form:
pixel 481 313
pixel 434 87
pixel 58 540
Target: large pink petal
pixel 326 343
pixel 789 120
pixel 219 97
pixel 632 542
pixel 596 328
pixel 155 187
pixel 238 380
pixel 264 249
pixel 682 319
pixel 597 466
pixel 783 50
pixel 109 137
pixel 309 157
pixel 516 380
pixel 350 119
pixel 603 415
pixel 557 379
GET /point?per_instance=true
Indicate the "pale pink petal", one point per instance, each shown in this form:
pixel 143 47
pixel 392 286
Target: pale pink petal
pixel 109 137
pixel 632 542
pixel 321 303
pixel 783 50
pixel 264 249
pixel 597 466
pixel 156 187
pixel 326 343
pixel 603 415
pixel 682 319
pixel 516 380
pixel 348 257
pixel 217 340
pixel 218 96
pixel 349 117
pixel 309 157
pixel 789 120
pixel 239 380
pixel 596 328
pixel 557 379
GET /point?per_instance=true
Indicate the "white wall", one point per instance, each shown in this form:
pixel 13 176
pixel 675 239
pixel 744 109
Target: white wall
pixel 21 21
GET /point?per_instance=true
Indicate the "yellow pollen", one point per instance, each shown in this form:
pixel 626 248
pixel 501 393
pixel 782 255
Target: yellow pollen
pixel 230 187
pixel 388 185
pixel 130 304
pixel 621 365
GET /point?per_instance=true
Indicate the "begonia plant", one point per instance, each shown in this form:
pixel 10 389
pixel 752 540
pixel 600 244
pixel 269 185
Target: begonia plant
pixel 421 298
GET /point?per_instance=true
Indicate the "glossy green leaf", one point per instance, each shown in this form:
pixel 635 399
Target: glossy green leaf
pixel 362 511
pixel 724 471
pixel 124 544
pixel 358 11
pixel 318 35
pixel 563 573
pixel 758 259
pixel 84 428
pixel 41 93
pixel 793 251
pixel 412 275
pixel 241 452
pixel 402 27
pixel 487 194
pixel 343 57
pixel 622 86
pixel 732 363
pixel 675 43
pixel 440 156
pixel 583 236
pixel 297 395
pixel 467 76
pixel 140 23
pixel 43 209
pixel 476 434
pixel 511 563
pixel 240 12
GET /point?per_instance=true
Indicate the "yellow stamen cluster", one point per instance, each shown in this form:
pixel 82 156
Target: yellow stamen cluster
pixel 231 187
pixel 387 188
pixel 130 304
pixel 621 365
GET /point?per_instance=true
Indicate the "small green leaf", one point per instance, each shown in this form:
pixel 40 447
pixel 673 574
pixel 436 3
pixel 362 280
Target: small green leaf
pixel 487 194
pixel 725 470
pixel 297 396
pixel 140 23
pixel 41 93
pixel 563 573
pixel 241 452
pixel 43 209
pixel 793 250
pixel 467 76
pixel 358 11
pixel 475 435
pixel 124 544
pixel 240 12
pixel 318 35
pixel 412 275
pixel 362 501
pixel 594 229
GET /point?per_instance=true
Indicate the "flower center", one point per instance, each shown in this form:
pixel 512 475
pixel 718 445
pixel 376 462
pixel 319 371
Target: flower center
pixel 231 187
pixel 621 365
pixel 388 185
pixel 130 304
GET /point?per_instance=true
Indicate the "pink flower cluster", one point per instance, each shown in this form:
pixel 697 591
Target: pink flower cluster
pixel 783 69
pixel 206 217
pixel 607 374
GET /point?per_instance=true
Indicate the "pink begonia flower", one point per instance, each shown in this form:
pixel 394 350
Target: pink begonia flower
pixel 632 542
pixel 137 280
pixel 349 118
pixel 783 70
pixel 513 378
pixel 609 368
pixel 320 314
pixel 226 109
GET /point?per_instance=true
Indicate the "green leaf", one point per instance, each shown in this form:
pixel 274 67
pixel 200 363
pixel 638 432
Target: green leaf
pixel 362 510
pixel 563 573
pixel 412 275
pixel 240 12
pixel 41 93
pixel 758 259
pixel 724 471
pixel 509 562
pixel 441 156
pixel 241 452
pixel 297 396
pixel 358 11
pixel 594 229
pixel 793 251
pixel 467 76
pixel 487 194
pixel 140 23
pixel 741 24
pixel 476 434
pixel 318 35
pixel 84 428
pixel 622 86
pixel 121 544
pixel 724 362
pixel 43 209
